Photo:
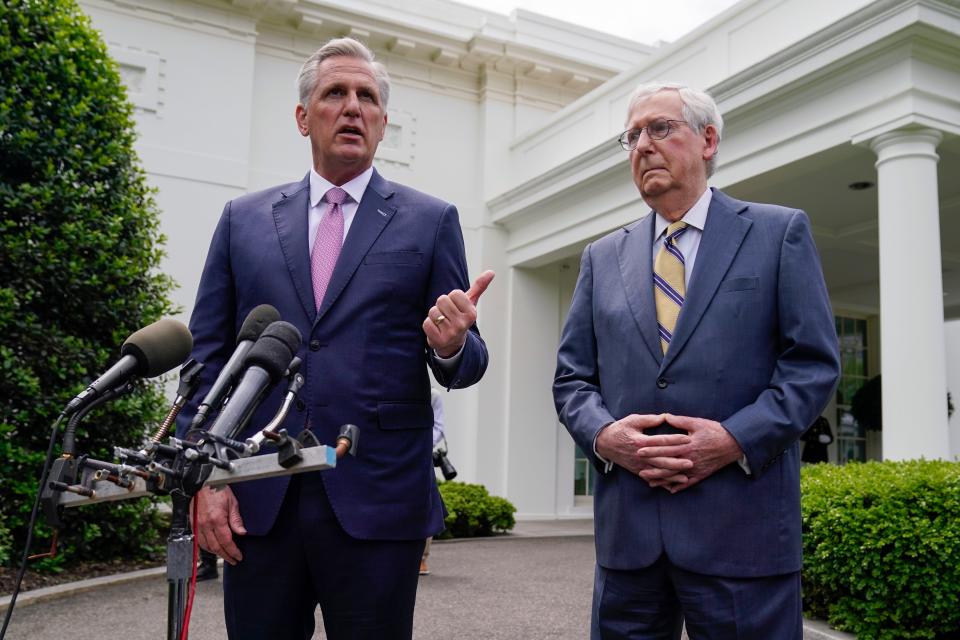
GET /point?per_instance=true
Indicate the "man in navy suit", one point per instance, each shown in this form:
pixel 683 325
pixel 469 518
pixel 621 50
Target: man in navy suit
pixel 699 346
pixel 373 274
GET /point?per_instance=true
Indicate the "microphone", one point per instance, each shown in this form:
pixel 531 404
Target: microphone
pixel 257 320
pixel 149 352
pixel 296 382
pixel 266 363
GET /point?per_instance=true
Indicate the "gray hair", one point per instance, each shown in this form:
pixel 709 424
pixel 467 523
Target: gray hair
pixel 699 109
pixel 346 47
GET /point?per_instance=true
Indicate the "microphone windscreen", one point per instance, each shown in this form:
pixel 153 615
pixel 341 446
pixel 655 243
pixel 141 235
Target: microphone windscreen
pixel 159 347
pixel 257 320
pixel 274 349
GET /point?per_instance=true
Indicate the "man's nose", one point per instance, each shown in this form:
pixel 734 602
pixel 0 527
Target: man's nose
pixel 352 106
pixel 644 142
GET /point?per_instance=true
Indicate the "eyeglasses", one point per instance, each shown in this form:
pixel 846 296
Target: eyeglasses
pixel 657 130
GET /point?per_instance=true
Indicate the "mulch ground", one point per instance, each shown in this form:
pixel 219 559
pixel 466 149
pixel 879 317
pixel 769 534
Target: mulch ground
pixel 79 571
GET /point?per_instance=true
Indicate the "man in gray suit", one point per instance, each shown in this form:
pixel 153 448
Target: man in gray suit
pixel 699 346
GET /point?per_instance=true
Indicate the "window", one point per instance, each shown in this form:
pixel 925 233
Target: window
pixel 851 436
pixel 584 475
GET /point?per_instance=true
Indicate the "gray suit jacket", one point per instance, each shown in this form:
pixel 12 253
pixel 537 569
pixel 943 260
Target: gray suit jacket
pixel 755 348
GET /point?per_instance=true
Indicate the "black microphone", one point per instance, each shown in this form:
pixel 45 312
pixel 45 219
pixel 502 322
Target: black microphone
pixel 147 353
pixel 257 320
pixel 265 365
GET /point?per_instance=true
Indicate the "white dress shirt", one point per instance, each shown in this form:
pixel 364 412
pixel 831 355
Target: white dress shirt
pixel 689 240
pixel 318 206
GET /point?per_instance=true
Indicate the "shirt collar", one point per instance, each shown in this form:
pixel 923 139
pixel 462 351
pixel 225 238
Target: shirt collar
pixel 355 188
pixel 695 217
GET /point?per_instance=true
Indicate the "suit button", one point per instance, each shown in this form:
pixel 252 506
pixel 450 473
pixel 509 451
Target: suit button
pixel 662 384
pixel 314 345
pixel 301 405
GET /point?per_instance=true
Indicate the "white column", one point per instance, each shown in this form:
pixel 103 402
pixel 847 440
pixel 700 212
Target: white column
pixel 911 296
pixel 533 434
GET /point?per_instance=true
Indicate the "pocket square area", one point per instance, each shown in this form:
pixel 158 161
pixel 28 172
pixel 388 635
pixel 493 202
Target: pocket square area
pixel 739 284
pixel 394 257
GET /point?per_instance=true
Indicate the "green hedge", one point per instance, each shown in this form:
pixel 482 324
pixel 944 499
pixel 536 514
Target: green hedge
pixel 79 252
pixel 472 511
pixel 881 546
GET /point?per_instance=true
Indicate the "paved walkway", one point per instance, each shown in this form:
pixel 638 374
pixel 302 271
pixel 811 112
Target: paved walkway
pixel 534 583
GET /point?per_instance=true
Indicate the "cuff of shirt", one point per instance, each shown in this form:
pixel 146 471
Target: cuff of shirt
pixel 745 465
pixel 449 365
pixel 607 465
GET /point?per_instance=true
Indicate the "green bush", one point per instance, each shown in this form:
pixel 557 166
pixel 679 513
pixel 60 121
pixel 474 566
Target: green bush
pixel 472 511
pixel 79 249
pixel 881 546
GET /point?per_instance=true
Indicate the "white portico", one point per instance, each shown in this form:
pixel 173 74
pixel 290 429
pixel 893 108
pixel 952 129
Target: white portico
pixel 870 97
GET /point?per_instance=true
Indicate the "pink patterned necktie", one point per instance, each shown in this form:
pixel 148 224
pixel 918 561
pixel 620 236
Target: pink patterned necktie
pixel 327 243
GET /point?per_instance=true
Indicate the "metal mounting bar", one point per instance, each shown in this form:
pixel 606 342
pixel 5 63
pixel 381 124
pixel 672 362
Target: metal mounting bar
pixel 254 468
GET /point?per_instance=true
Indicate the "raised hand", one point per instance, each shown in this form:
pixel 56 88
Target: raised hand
pixel 448 321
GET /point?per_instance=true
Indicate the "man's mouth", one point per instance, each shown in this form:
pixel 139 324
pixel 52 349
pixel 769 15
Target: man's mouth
pixel 350 131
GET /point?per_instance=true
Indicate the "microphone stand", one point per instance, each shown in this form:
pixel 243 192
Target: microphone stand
pixel 181 557
pixel 182 468
pixel 181 564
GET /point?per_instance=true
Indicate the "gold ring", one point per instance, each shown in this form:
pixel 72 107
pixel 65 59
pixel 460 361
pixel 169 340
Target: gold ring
pixel 440 318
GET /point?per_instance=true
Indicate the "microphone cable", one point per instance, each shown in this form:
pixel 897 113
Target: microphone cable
pixel 185 629
pixel 33 522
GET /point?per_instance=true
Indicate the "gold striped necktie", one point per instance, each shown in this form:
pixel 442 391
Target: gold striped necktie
pixel 669 288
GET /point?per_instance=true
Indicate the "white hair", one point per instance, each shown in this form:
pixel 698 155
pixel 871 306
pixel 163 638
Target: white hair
pixel 346 47
pixel 699 109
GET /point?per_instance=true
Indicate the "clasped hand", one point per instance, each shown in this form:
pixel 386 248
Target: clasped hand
pixel 674 461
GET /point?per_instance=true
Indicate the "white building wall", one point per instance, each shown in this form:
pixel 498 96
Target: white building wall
pixel 193 113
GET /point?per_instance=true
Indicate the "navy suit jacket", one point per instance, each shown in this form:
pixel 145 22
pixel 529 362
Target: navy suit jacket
pixel 365 354
pixel 754 348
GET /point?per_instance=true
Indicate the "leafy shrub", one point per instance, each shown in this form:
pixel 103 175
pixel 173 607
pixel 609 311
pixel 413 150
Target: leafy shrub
pixel 79 249
pixel 472 511
pixel 881 546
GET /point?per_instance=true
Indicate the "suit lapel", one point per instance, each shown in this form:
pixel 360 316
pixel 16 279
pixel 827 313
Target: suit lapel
pixel 372 217
pixel 722 236
pixel 290 218
pixel 636 269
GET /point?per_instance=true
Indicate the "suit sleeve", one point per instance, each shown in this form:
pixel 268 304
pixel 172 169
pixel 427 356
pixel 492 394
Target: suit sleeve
pixel 808 366
pixel 213 321
pixel 449 272
pixel 576 384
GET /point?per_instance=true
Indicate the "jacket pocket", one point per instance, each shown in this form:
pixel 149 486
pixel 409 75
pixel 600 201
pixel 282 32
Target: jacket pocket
pixel 410 414
pixel 739 284
pixel 394 257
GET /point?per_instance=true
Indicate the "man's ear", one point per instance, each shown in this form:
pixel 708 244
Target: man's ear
pixel 300 113
pixel 712 140
pixel 383 130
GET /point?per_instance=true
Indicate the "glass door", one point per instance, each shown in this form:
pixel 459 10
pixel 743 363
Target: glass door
pixel 851 436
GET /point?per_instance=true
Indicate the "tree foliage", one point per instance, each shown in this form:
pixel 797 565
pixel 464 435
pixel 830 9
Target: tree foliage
pixel 79 250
